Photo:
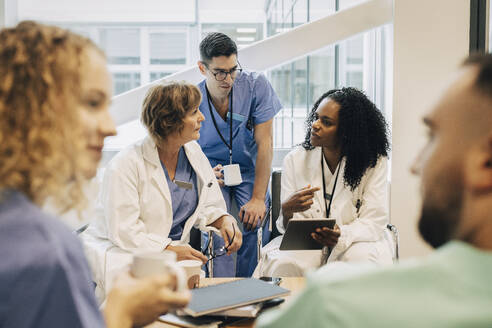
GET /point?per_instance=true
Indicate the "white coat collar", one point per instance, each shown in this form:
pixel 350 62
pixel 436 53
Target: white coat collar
pixel 151 155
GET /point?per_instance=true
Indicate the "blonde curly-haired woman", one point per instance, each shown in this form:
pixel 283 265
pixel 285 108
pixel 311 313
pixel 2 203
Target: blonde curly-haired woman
pixel 55 92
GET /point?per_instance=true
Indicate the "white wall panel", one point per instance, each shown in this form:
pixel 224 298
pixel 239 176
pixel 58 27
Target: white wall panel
pixel 431 39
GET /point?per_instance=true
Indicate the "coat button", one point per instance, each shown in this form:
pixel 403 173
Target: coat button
pixel 317 211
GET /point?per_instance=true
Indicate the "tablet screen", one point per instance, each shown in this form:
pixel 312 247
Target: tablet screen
pixel 298 233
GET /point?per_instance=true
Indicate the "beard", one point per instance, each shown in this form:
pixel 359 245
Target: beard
pixel 438 224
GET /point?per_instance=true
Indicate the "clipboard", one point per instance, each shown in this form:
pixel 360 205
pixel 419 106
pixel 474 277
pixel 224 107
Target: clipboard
pixel 298 234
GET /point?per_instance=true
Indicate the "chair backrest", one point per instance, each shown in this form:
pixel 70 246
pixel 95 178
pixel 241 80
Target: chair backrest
pixel 276 205
pixel 196 239
pixel 396 241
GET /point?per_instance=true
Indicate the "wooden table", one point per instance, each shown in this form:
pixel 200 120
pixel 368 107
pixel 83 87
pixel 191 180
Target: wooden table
pixel 295 285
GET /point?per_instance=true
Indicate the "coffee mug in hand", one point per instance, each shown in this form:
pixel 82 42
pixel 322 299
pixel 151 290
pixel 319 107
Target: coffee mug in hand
pixel 147 264
pixel 232 175
pixel 193 270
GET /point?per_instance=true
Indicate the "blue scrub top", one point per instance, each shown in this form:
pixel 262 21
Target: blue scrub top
pixel 45 280
pixel 254 102
pixel 184 200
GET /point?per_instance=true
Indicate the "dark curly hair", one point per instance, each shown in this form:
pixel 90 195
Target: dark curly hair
pixel 362 132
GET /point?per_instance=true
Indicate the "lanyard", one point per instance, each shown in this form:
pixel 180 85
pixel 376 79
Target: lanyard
pixel 228 145
pixel 328 208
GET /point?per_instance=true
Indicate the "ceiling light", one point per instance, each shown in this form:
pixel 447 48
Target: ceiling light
pixel 246 30
pixel 245 38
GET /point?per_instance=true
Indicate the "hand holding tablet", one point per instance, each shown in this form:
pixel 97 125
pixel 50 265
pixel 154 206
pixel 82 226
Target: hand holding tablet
pixel 327 237
pixel 298 235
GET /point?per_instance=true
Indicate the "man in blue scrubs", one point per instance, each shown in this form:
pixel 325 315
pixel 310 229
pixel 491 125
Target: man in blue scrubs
pixel 253 103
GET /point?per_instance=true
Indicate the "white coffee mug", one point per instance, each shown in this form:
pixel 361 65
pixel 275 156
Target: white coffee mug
pixel 148 263
pixel 232 175
pixel 193 270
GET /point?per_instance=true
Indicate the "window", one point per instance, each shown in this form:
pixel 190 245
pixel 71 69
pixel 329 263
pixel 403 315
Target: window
pixel 321 73
pixel 142 50
pixel 242 34
pixel 357 62
pixel 168 48
pixel 122 46
pixel 125 81
pixel 158 75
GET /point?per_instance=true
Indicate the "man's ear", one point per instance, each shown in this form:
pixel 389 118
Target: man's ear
pixel 478 168
pixel 201 67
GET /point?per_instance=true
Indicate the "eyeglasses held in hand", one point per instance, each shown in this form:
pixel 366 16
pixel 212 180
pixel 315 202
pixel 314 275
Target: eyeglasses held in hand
pixel 221 251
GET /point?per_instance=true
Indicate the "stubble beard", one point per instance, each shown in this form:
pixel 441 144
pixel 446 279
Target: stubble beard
pixel 438 224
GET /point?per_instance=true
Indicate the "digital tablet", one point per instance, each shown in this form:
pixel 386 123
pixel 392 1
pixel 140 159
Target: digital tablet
pixel 298 234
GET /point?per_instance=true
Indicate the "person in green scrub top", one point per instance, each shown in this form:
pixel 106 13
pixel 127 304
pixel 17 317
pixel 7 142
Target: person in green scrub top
pixel 451 287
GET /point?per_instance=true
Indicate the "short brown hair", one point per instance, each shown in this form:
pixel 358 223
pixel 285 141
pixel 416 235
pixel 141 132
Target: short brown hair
pixel 40 133
pixel 165 107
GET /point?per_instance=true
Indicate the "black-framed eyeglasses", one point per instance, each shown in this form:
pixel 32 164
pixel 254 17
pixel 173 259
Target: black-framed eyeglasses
pixel 222 75
pixel 221 251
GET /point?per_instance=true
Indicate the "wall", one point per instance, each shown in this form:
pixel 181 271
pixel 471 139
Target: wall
pixel 150 11
pixel 2 13
pixel 431 38
pixel 8 13
pixel 108 10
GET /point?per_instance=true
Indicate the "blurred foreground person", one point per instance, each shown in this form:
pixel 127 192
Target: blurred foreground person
pixel 54 96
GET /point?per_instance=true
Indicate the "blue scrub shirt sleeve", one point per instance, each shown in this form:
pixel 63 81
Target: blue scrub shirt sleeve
pixel 267 103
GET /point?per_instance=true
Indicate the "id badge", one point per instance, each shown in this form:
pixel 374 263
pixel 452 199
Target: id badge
pixel 183 184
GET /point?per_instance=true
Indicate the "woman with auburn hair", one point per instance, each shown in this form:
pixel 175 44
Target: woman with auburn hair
pixel 339 172
pixel 156 190
pixel 55 92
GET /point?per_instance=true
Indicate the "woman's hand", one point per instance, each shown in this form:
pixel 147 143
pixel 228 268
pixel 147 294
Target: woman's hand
pixel 136 302
pixel 229 229
pixel 186 252
pixel 299 201
pixel 326 236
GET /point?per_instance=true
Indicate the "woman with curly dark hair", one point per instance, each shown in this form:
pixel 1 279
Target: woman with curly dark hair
pixel 340 172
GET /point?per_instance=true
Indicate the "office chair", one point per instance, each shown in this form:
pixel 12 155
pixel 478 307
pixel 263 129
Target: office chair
pixel 396 240
pixel 196 243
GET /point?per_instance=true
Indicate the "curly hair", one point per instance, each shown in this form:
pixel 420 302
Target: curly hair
pixel 40 134
pixel 362 132
pixel 165 107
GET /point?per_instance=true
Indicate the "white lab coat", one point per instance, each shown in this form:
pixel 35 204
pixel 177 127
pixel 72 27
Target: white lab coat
pixel 363 232
pixel 135 212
